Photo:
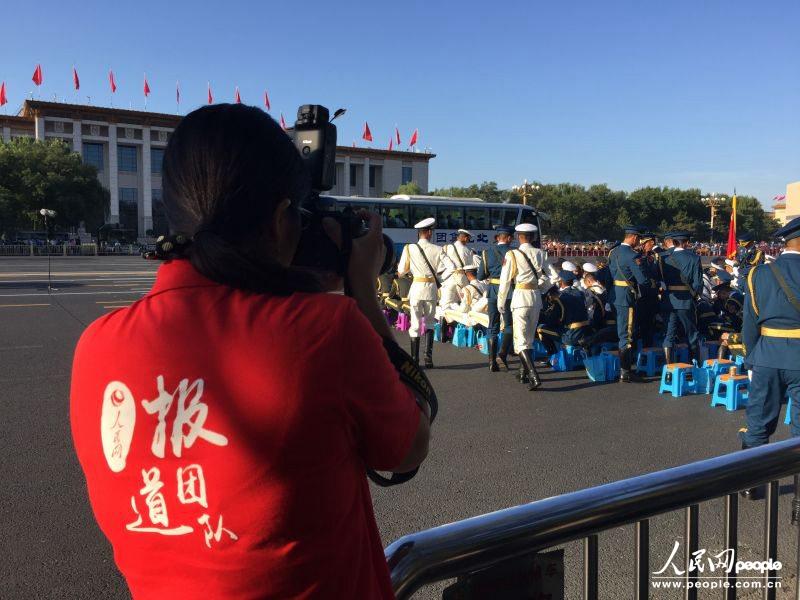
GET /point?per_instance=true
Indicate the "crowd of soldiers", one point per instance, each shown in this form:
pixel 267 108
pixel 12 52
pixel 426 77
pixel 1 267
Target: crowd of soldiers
pixel 643 293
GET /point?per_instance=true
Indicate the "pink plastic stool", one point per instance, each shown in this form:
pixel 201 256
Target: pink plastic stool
pixel 403 322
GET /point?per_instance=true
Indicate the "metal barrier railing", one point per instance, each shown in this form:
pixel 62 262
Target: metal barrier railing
pixel 68 250
pixel 467 546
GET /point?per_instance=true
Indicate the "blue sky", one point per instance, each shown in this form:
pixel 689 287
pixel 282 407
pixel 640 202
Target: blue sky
pixel 681 93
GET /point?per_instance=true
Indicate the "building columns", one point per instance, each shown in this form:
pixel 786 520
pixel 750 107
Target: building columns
pixel 346 178
pixel 39 128
pixel 113 174
pixel 365 177
pixel 6 134
pixel 77 139
pixel 147 183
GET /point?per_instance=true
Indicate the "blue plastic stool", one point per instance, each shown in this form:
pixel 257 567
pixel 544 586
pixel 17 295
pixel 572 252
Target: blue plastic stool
pixel 461 336
pixel 539 351
pixel 740 361
pixel 650 360
pixel 731 391
pixel 707 374
pixel 678 379
pixel 437 331
pixel 568 358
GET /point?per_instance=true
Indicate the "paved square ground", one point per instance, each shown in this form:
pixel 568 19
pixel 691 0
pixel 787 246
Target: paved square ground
pixel 494 445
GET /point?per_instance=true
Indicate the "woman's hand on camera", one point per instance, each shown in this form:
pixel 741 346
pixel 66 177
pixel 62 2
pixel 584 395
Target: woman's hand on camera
pixel 366 257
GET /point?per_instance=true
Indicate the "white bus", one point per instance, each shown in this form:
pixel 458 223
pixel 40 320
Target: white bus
pixel 400 212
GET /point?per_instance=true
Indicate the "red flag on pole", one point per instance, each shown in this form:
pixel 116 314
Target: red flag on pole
pixel 3 99
pixel 76 82
pixel 391 141
pixel 238 98
pixel 111 82
pixel 413 141
pixel 146 88
pixel 266 100
pixel 732 229
pixel 210 96
pixel 397 134
pixel 37 75
pixel 283 122
pixel 367 135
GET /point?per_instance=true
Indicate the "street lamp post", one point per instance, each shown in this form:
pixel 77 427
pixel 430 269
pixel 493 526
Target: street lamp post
pixel 713 202
pixel 526 190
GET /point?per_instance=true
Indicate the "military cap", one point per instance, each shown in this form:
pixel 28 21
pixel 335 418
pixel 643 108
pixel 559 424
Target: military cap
pixel 471 267
pixel 507 229
pixel 745 237
pixel 648 236
pixel 789 231
pixel 465 232
pixel 679 234
pixel 426 223
pixel 628 229
pixel 724 276
pixel 589 267
pixel 722 285
pixel 526 228
pixel 566 276
pixel 568 266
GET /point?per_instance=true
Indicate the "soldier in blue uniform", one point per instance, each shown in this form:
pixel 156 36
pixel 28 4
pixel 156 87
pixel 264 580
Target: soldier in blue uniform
pixel 647 306
pixel 771 337
pixel 489 270
pixel 747 255
pixel 567 320
pixel 628 277
pixel 683 276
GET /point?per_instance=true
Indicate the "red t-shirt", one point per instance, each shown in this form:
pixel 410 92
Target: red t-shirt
pixel 224 437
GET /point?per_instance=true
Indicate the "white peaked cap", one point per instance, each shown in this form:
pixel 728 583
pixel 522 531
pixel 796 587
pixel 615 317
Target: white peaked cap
pixel 590 267
pixel 526 228
pixel 425 223
pixel 568 266
pixel 716 265
pixel 730 263
pixel 466 231
pixel 471 267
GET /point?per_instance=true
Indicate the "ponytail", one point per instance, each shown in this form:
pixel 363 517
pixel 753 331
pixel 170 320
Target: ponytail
pixel 218 260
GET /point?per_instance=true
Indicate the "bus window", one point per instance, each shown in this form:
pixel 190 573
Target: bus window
pixel 421 211
pixel 504 216
pixel 477 218
pixel 449 217
pixel 394 216
pixel 528 216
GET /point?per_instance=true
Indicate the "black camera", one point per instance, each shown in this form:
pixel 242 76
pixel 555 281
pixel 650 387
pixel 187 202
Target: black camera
pixel 314 136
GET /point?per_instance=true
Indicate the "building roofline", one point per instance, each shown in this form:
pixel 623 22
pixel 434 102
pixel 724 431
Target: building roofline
pixel 386 153
pixel 31 108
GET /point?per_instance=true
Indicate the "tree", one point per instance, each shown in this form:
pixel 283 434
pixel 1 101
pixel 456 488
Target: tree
pixel 411 188
pixel 36 175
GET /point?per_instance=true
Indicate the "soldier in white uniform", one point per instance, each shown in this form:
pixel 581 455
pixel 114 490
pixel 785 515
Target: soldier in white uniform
pixel 460 255
pixel 471 295
pixel 524 267
pixel 426 262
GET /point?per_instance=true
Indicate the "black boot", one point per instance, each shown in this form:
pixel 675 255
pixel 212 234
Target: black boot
pixel 429 349
pixel 667 355
pixel 443 326
pixel 526 357
pixel 522 374
pixel 415 350
pixel 751 493
pixel 493 355
pixel 502 355
pixel 626 374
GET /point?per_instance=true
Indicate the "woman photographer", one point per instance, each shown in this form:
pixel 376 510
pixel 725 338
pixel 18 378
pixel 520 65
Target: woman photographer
pixel 224 421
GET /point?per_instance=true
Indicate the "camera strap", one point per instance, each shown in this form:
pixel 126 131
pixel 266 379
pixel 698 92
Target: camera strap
pixel 414 377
